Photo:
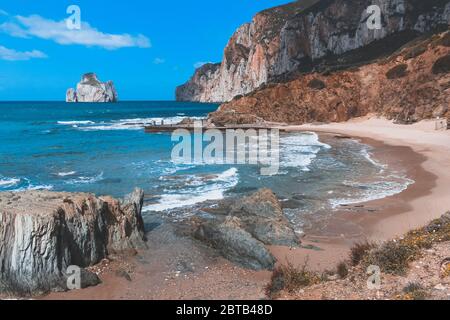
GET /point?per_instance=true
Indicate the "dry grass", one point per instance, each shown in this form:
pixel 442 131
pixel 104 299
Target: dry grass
pixel 393 257
pixel 414 291
pixel 342 270
pixel 290 278
pixel 359 251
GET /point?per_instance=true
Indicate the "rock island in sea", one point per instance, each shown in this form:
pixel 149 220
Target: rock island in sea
pixel 91 89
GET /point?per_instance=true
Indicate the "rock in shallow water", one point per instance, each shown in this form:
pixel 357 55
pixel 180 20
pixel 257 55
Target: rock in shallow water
pixel 43 233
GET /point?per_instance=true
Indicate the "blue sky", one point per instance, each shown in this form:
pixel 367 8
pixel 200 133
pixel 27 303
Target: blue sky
pixel 146 47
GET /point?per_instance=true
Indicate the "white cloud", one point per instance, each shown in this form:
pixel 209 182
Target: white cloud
pixel 159 61
pixel 37 26
pixel 14 55
pixel 200 64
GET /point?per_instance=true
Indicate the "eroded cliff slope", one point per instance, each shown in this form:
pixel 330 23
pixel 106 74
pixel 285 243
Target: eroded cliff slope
pixel 407 86
pixel 296 37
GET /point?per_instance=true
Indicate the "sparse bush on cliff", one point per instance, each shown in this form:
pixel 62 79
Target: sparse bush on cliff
pixel 316 84
pixel 442 65
pixel 415 51
pixel 392 257
pixel 414 291
pixel 397 72
pixel 342 270
pixel 359 251
pixel 444 40
pixel 290 278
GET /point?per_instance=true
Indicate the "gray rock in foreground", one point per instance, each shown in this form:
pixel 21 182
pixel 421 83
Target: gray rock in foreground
pixel 241 228
pixel 43 233
pixel 90 89
pixel 236 244
pixel 263 217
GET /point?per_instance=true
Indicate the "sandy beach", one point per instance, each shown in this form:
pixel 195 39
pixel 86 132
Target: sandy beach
pixel 421 150
pixel 432 146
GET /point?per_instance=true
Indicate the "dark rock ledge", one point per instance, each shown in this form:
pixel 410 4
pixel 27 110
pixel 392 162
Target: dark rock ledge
pixel 43 233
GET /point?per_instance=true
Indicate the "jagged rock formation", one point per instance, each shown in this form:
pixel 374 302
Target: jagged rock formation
pixel 90 89
pixel 297 36
pixel 43 233
pixel 240 228
pixel 409 85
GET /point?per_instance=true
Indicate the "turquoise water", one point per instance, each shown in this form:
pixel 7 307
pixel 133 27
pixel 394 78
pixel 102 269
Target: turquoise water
pixel 102 148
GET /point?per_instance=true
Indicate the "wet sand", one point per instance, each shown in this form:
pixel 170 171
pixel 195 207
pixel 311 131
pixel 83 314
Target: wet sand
pixel 174 267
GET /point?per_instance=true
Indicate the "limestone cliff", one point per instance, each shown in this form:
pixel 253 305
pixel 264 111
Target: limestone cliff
pixel 295 37
pixel 90 89
pixel 43 233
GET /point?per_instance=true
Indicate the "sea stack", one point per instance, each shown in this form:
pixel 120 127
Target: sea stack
pixel 90 89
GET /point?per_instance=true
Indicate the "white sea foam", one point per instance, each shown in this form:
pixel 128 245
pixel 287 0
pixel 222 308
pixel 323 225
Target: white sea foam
pixel 214 189
pixel 85 180
pixel 8 182
pixel 300 150
pixel 376 190
pixel 66 174
pixel 366 154
pixel 229 175
pixel 32 187
pixel 71 123
pixel 132 124
pixel 172 201
pixel 39 187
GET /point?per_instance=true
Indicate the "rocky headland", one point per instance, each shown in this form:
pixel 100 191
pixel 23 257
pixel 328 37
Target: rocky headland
pixel 90 89
pixel 297 37
pixel 43 233
pixel 407 86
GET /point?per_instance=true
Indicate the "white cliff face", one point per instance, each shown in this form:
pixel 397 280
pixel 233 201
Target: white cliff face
pixel 90 89
pixel 43 233
pixel 282 40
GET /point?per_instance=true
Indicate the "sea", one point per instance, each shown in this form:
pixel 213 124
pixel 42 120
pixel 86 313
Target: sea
pixel 103 149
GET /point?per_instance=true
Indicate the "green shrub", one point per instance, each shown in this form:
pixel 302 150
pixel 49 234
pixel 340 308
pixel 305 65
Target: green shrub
pixel 316 84
pixel 415 51
pixel 442 65
pixel 397 72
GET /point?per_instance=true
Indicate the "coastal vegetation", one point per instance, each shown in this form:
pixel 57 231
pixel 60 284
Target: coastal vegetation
pixel 393 257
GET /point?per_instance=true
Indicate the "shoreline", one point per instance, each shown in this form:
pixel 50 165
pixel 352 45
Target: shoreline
pixel 323 246
pixel 379 220
pixel 427 198
pixel 426 155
